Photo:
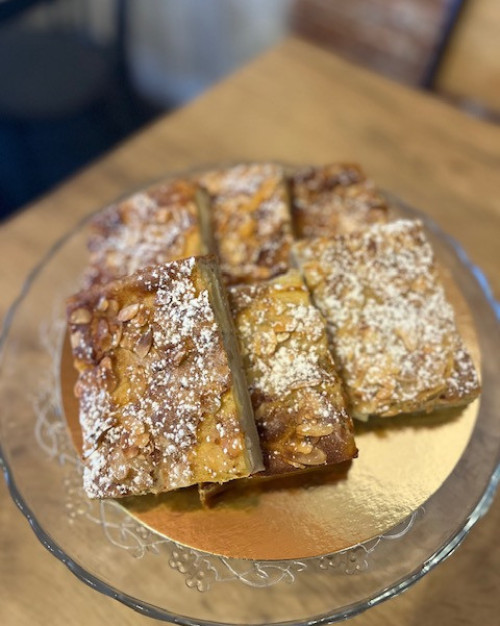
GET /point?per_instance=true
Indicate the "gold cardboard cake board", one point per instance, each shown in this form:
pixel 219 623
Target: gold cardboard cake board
pixel 402 462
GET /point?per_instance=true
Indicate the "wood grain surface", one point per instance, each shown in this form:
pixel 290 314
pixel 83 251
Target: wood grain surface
pixel 295 104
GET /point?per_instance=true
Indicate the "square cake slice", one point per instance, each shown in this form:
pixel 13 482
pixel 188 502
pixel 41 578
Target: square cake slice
pixel 296 393
pixel 334 199
pixel 152 227
pixel 245 212
pixel 162 394
pixel 392 330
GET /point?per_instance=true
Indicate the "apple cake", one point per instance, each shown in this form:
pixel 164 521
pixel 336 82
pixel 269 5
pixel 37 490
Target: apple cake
pixel 333 199
pixel 246 220
pixel 296 393
pixel 392 330
pixel 152 227
pixel 163 398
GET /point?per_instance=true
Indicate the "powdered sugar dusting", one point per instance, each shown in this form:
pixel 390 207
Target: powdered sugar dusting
pixel 392 329
pixel 294 387
pixel 150 228
pixel 251 221
pixel 157 409
pixel 333 199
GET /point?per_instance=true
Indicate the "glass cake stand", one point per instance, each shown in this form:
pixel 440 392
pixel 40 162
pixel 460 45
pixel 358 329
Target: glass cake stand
pixel 120 557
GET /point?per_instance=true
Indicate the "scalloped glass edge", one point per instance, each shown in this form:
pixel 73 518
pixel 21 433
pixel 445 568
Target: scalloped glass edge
pixel 352 610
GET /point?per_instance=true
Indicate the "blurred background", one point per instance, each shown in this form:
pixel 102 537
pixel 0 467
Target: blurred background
pixel 78 76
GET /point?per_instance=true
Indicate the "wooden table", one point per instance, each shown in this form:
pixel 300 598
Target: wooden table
pixel 296 104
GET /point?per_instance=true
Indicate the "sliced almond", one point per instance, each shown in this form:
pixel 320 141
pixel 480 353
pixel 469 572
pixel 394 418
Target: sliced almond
pixel 103 304
pixel 316 457
pixel 128 312
pixel 118 465
pixel 143 346
pixel 313 429
pixel 106 363
pixel 179 356
pixel 102 329
pixel 265 343
pixel 282 337
pixel 131 452
pixel 78 389
pixel 141 318
pixel 309 382
pixel 76 339
pixel 293 462
pixel 142 440
pixel 409 340
pixel 304 448
pixel 116 336
pixel 80 316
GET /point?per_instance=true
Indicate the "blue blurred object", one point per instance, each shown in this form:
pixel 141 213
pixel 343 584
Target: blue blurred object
pixel 64 99
pixel 11 8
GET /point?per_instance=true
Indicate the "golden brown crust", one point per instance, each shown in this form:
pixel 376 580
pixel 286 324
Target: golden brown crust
pixel 155 226
pixel 296 392
pixel 158 407
pixel 334 199
pixel 247 208
pixel 392 330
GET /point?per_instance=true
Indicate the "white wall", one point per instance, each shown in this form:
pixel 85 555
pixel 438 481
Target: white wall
pixel 179 47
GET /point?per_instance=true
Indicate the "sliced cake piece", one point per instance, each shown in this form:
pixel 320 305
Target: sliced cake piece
pixel 163 399
pixel 296 392
pixel 333 199
pixel 152 227
pixel 392 329
pixel 245 211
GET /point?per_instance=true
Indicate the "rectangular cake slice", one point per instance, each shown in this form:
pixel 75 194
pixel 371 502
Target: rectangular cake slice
pixel 296 393
pixel 392 330
pixel 245 211
pixel 163 398
pixel 152 227
pixel 334 199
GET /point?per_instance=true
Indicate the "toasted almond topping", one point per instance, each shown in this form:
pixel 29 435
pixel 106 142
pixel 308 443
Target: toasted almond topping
pixel 409 340
pixel 128 312
pixel 293 462
pixel 102 330
pixel 78 389
pixel 131 452
pixel 304 448
pixel 141 318
pixel 75 339
pixel 143 346
pixel 106 363
pixel 316 457
pixel 282 337
pixel 312 429
pixel 117 336
pixel 112 308
pixel 179 356
pixel 80 316
pixel 142 440
pixel 103 304
pixel 301 384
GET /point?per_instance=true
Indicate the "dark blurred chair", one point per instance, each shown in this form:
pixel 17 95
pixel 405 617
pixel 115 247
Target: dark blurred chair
pixel 399 38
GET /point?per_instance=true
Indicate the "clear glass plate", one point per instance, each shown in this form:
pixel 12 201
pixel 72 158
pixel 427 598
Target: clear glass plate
pixel 116 555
